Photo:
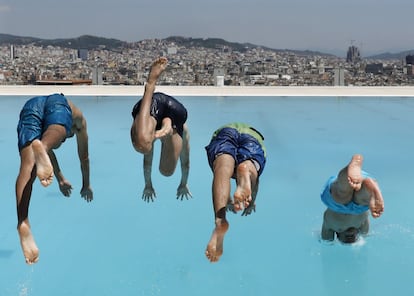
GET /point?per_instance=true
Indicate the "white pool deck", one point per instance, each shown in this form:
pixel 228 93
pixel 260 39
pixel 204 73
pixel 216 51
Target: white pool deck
pixel 122 90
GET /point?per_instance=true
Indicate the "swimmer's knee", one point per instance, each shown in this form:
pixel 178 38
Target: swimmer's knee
pixel 167 168
pixel 243 167
pixel 167 172
pixel 143 148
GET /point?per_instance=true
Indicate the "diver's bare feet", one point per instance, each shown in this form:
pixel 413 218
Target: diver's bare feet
pixel 354 172
pixel 166 129
pixel 157 67
pixel 376 203
pixel 44 168
pixel 30 250
pixel 242 195
pixel 215 245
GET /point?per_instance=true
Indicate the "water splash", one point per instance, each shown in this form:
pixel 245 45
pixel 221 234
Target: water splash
pixel 25 286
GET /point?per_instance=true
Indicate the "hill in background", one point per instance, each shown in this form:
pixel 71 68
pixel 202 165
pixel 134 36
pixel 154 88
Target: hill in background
pixel 93 42
pixel 85 41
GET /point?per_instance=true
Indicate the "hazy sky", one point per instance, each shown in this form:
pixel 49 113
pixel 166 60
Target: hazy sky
pixel 376 26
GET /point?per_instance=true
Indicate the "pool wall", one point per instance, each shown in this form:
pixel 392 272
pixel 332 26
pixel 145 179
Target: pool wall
pixel 120 245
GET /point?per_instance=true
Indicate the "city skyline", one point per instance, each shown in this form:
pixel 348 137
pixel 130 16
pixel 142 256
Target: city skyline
pixel 374 26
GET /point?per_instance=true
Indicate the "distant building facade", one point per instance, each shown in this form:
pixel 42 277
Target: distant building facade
pixel 339 79
pixel 97 78
pixel 410 70
pixel 377 68
pixel 409 59
pixel 218 76
pixel 12 52
pixel 171 50
pixel 83 54
pixel 353 54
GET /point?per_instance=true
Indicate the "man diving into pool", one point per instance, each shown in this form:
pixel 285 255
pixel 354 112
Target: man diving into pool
pixel 45 123
pixel 160 116
pixel 236 151
pixel 348 197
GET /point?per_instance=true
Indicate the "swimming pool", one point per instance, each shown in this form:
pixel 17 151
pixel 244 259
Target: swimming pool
pixel 120 245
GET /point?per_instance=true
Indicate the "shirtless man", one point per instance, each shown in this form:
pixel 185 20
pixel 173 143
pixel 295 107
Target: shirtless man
pixel 236 151
pixel 159 116
pixel 349 196
pixel 45 122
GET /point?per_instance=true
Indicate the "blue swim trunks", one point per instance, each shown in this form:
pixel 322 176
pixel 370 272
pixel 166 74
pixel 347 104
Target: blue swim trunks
pixel 241 146
pixel 350 208
pixel 163 106
pixel 40 112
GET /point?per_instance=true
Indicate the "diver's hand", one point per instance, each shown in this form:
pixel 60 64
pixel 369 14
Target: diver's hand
pixel 183 192
pixel 87 193
pixel 230 206
pixel 148 194
pixel 247 211
pixel 65 187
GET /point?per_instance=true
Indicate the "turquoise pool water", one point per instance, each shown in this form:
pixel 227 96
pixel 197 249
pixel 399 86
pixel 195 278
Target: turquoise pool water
pixel 121 245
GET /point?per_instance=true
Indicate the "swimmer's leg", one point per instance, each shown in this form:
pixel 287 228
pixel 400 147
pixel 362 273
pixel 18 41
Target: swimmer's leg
pixel 143 127
pixel 349 179
pixel 246 177
pixel 44 168
pixel 223 169
pixel 24 185
pixel 51 139
pixel 171 147
pixel 27 242
pixel 370 195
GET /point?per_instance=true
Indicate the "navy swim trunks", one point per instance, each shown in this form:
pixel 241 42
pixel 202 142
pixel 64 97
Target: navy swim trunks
pixel 40 112
pixel 241 146
pixel 163 106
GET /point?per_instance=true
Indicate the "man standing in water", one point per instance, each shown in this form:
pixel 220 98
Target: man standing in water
pixel 45 122
pixel 235 151
pixel 160 116
pixel 349 196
